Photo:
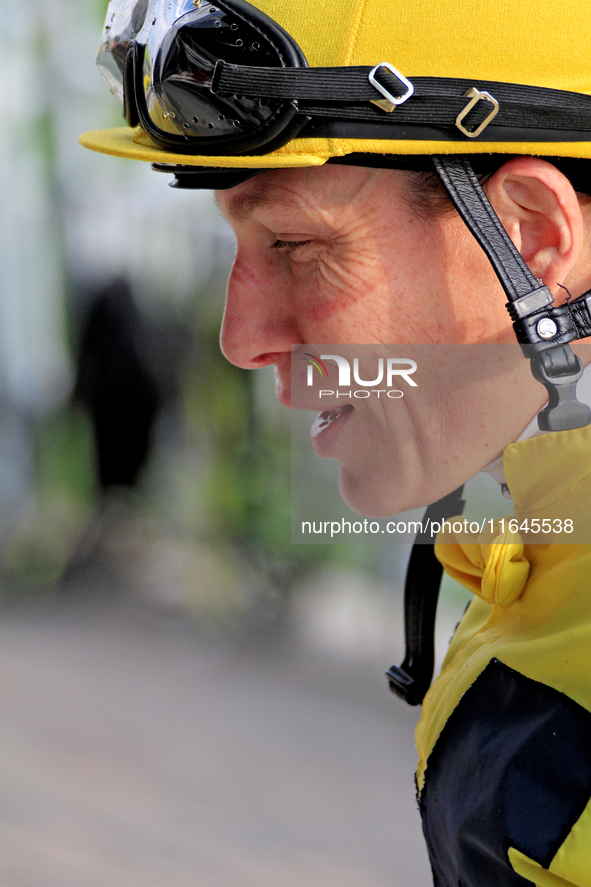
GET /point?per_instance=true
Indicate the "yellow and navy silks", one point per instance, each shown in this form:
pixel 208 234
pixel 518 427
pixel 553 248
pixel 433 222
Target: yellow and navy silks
pixel 504 740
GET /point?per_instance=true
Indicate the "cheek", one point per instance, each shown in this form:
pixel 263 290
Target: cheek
pixel 344 290
pixel 390 288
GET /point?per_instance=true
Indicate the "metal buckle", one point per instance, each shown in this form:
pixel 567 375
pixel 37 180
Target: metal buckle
pixel 476 95
pixel 389 102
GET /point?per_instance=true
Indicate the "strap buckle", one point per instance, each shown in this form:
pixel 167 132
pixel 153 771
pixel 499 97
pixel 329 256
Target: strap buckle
pixel 389 102
pixel 559 370
pixel 475 95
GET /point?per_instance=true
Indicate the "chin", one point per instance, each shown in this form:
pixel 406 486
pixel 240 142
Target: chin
pixel 373 497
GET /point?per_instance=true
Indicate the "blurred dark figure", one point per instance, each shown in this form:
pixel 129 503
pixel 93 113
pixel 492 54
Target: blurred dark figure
pixel 116 385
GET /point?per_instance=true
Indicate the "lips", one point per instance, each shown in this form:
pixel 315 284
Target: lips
pixel 326 425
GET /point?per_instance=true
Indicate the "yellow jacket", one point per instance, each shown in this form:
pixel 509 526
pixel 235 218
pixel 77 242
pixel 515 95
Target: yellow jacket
pixel 504 739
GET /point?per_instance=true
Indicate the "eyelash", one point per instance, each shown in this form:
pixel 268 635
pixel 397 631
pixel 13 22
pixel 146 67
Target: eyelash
pixel 287 246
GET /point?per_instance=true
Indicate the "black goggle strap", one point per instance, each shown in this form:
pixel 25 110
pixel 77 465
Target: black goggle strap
pixel 412 679
pixel 364 93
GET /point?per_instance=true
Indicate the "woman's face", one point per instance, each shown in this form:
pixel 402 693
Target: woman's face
pixel 340 255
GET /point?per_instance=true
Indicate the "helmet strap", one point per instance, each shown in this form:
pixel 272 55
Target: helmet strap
pixel 412 679
pixel 542 329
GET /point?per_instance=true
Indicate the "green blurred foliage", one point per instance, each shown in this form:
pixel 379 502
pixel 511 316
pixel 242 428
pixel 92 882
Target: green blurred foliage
pixel 39 547
pixel 65 455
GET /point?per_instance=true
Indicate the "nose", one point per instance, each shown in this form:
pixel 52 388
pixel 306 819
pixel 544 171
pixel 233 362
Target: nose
pixel 260 324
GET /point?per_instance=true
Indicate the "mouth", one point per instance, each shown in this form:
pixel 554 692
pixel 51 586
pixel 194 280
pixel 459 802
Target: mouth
pixel 326 425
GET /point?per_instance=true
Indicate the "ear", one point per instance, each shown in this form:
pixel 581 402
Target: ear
pixel 539 209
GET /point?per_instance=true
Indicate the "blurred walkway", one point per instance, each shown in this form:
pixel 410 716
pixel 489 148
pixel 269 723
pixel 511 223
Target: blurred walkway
pixel 135 752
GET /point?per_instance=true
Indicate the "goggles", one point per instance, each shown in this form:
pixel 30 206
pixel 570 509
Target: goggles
pixel 160 58
pixel 222 78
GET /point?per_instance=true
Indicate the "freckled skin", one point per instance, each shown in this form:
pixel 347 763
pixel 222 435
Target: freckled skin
pixel 356 263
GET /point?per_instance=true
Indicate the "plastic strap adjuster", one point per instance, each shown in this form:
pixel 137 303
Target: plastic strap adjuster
pixel 529 304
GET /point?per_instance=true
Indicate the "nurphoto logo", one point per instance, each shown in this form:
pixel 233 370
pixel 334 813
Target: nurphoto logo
pixel 393 369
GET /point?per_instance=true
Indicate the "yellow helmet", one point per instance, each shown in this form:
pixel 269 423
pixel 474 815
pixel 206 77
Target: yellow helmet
pixel 327 80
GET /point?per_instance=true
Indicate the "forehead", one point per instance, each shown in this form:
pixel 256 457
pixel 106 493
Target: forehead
pixel 295 189
pixel 239 203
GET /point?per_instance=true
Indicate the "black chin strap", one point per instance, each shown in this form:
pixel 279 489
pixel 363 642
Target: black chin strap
pixel 412 679
pixel 544 331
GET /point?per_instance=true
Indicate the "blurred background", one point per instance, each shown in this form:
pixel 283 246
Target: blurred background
pixel 185 696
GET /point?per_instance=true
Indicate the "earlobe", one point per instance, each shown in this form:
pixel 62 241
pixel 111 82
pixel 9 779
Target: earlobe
pixel 541 213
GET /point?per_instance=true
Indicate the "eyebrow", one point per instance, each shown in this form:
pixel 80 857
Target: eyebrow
pixel 239 207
